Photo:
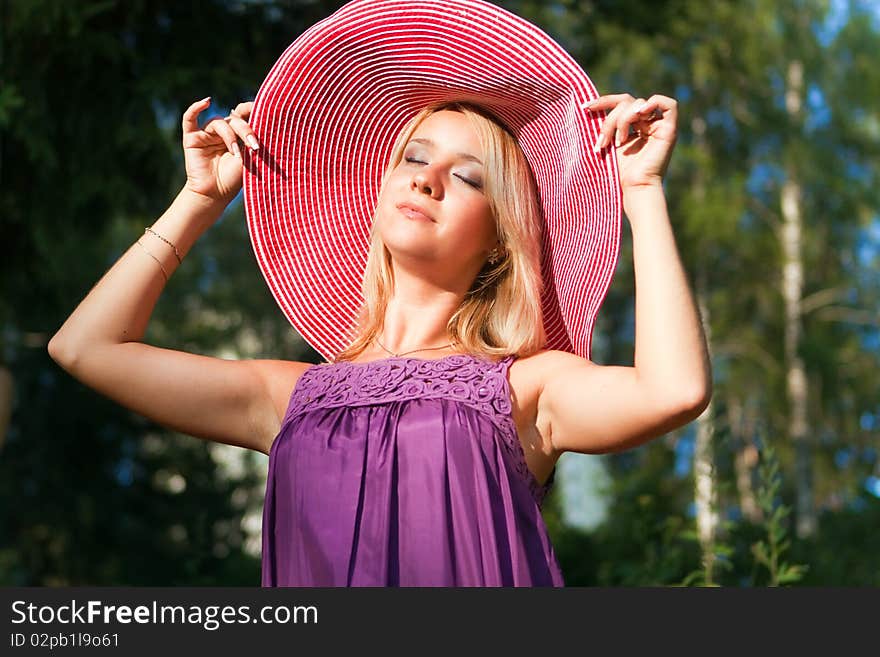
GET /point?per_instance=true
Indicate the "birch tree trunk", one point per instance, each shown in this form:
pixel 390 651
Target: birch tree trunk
pixel 705 472
pixel 792 290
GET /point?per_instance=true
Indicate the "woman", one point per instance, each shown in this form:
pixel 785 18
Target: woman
pixel 376 485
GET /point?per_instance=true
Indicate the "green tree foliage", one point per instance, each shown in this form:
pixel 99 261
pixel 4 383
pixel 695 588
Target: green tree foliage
pixel 726 63
pixel 90 109
pixel 770 552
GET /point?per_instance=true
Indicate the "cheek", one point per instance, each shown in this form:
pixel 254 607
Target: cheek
pixel 385 195
pixel 483 217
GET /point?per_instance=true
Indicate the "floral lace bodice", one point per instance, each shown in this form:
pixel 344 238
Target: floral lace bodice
pixel 476 382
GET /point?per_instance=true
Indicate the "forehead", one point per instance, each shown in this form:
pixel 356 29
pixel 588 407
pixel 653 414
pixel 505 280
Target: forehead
pixel 447 126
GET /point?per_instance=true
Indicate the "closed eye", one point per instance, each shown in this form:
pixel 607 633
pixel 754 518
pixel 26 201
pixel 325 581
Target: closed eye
pixel 472 183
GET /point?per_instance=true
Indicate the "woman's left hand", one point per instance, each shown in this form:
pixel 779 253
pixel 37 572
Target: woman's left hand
pixel 644 132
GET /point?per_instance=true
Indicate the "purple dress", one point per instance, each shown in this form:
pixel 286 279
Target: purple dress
pixel 404 472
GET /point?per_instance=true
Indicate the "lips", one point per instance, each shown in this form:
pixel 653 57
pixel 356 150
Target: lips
pixel 413 211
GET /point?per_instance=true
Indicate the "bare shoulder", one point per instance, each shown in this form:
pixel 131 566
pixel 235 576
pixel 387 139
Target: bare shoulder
pixel 532 372
pixel 278 379
pixel 530 376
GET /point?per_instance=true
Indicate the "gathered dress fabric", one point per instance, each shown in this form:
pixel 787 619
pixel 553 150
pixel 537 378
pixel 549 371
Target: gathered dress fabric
pixel 404 472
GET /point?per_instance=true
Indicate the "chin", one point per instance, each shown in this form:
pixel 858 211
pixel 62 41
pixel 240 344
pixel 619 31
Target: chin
pixel 405 236
pixel 410 250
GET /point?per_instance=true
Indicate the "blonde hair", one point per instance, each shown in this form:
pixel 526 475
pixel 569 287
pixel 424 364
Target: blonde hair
pixel 501 312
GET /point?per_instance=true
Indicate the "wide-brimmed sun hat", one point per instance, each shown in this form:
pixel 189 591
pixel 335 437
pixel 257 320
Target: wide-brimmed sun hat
pixel 327 116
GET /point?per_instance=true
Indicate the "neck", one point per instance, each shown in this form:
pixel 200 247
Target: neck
pixel 417 315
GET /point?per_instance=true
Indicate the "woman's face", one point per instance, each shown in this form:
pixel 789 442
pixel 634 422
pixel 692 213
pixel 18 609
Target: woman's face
pixel 433 208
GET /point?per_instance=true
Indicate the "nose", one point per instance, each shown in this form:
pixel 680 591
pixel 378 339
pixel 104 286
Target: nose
pixel 425 181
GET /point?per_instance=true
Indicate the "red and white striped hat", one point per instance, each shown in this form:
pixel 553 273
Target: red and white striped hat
pixel 327 116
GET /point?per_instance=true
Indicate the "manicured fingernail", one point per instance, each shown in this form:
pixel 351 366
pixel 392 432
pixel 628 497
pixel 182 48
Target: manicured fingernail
pixel 236 150
pixel 600 142
pixel 252 142
pixel 204 100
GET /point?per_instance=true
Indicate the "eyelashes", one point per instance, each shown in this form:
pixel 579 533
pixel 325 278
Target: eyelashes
pixel 467 181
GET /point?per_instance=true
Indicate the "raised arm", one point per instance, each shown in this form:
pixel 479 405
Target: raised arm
pixel 593 408
pixel 100 343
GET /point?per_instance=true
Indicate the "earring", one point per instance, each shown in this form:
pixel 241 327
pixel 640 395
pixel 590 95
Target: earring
pixel 493 256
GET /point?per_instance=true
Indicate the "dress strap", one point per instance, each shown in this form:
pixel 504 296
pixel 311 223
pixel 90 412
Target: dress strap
pixel 505 363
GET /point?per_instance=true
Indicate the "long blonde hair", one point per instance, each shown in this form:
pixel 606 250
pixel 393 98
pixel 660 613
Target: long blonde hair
pixel 501 312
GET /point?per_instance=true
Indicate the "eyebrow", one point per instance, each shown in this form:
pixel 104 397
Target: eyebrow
pixel 463 156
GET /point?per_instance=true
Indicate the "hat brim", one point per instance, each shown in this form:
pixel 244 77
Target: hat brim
pixel 327 116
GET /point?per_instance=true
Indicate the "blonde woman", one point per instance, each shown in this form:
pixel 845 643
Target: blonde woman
pixel 420 453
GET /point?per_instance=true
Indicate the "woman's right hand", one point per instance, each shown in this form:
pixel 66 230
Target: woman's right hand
pixel 212 154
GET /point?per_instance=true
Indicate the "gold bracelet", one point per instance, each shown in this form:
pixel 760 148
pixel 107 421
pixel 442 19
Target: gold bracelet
pixel 164 273
pixel 176 253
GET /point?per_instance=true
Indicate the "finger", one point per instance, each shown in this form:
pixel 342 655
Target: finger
pixel 655 107
pixel 191 115
pixel 626 125
pixel 654 111
pixel 244 131
pixel 650 111
pixel 244 110
pixel 609 126
pixel 607 102
pixel 646 116
pixel 219 126
pixel 664 103
pixel 202 139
